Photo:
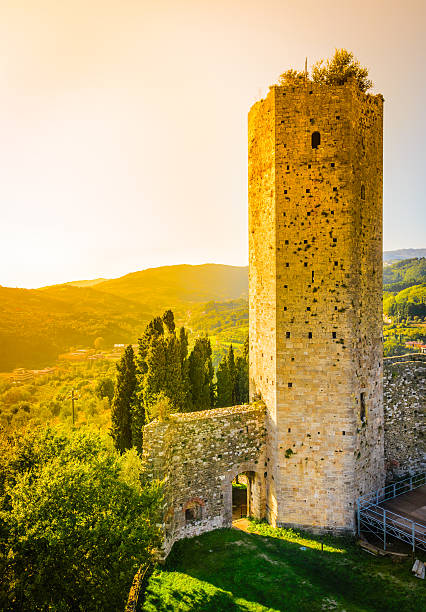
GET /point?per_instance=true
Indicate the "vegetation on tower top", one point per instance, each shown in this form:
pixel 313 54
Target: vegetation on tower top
pixel 337 70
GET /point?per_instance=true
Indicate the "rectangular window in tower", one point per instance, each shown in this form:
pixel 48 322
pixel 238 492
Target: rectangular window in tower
pixel 290 385
pixel 287 334
pixel 334 335
pixel 310 335
pixel 285 190
pixel 332 164
pixel 285 241
pixel 285 307
pixel 308 308
pixel 362 412
pixel 305 264
pixel 308 191
pixel 313 276
pixel 334 188
pixel 287 264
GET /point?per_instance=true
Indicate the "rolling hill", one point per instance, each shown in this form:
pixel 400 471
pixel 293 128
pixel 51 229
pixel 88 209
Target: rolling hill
pixel 38 324
pixel 160 287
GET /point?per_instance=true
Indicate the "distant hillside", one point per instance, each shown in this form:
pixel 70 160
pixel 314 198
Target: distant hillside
pixel 403 274
pixel 167 285
pixel 37 325
pixel 225 322
pixel 404 289
pixel 399 254
pixel 87 283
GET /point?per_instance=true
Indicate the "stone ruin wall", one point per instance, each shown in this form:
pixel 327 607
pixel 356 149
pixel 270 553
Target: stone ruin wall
pixel 199 454
pixel 405 408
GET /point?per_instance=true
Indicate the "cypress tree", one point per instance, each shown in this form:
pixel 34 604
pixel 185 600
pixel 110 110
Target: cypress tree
pixel 123 401
pixel 232 374
pixel 184 366
pixel 242 375
pixel 161 365
pixel 223 384
pixel 201 373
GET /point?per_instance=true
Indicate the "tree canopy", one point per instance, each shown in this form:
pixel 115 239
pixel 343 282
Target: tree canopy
pixel 337 70
pixel 73 530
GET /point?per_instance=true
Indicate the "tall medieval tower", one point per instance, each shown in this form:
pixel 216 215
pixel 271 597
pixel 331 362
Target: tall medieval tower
pixel 315 235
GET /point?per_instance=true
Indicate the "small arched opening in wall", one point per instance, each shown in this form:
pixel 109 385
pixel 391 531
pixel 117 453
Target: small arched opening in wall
pixel 315 140
pixel 245 495
pixel 193 511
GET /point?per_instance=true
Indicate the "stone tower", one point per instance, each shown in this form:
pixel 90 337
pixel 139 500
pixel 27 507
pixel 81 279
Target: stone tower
pixel 315 236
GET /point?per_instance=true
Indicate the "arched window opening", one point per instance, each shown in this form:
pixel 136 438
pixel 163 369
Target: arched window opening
pixel 362 192
pixel 315 140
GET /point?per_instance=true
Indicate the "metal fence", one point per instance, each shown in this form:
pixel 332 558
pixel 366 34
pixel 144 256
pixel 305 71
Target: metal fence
pixel 385 523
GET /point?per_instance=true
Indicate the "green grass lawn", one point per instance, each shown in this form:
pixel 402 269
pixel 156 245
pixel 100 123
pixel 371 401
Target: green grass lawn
pixel 277 569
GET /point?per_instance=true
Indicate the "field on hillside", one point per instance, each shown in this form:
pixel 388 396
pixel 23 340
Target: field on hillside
pixel 277 570
pixel 47 400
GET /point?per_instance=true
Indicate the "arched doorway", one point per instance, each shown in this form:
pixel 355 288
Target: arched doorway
pixel 240 497
pixel 246 495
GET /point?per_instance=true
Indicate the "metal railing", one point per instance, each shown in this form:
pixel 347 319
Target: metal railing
pixel 385 523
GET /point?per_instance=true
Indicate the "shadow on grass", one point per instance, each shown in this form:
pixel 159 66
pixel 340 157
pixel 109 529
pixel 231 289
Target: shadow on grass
pixel 227 570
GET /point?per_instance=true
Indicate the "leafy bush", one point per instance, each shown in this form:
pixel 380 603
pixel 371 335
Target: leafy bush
pixel 73 531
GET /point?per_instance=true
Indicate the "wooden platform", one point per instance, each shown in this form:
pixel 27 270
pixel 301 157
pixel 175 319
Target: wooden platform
pixel 411 505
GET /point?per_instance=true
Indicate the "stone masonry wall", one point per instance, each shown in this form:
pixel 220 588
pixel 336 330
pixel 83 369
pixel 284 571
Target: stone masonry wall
pixel 199 454
pixel 405 409
pixel 315 236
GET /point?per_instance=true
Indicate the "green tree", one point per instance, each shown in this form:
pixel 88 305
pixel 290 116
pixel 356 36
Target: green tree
pixel 201 373
pixel 291 77
pixel 105 388
pixel 224 386
pixel 242 375
pixel 232 374
pixel 339 69
pixel 73 532
pixel 124 409
pixel 161 408
pixel 161 364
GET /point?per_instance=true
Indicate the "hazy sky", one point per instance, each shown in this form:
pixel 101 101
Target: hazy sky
pixel 123 124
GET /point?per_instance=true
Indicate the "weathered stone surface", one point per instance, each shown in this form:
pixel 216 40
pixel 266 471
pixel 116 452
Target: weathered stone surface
pixel 315 237
pixel 199 454
pixel 405 407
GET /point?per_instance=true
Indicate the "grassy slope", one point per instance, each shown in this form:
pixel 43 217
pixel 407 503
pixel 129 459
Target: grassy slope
pixel 228 570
